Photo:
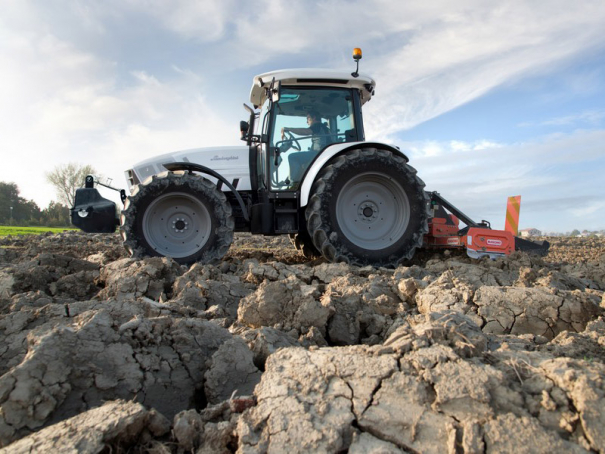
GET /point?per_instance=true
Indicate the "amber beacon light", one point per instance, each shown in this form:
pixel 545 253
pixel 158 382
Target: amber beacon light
pixel 356 57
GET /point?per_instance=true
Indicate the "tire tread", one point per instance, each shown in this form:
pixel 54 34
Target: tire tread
pixel 328 243
pixel 222 210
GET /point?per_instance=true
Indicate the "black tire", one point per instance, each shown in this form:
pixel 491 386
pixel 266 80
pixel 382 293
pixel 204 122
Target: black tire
pixel 303 243
pixel 362 190
pixel 177 215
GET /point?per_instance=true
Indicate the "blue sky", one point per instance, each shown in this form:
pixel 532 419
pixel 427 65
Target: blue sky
pixel 487 99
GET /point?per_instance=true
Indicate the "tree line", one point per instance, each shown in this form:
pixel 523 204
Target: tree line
pixel 16 210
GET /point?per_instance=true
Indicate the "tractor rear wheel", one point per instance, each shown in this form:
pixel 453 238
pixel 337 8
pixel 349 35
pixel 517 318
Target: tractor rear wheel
pixel 177 215
pixel 368 207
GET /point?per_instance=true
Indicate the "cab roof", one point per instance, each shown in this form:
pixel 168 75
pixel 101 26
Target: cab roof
pixel 311 77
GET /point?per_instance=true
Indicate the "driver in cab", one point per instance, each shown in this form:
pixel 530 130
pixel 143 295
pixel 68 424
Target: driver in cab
pixel 317 130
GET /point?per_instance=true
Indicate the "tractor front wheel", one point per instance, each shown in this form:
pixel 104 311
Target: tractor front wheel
pixel 368 207
pixel 177 215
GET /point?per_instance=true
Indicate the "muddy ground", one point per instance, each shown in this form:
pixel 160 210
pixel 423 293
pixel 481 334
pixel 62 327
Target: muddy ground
pixel 269 352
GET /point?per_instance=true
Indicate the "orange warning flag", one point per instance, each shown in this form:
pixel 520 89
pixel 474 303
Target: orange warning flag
pixel 512 214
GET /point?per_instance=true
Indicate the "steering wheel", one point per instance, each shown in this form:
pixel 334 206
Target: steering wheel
pixel 293 142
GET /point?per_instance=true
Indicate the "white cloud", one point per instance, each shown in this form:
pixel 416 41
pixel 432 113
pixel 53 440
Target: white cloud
pixel 546 172
pixel 433 148
pixel 589 117
pixel 446 63
pixel 205 20
pixel 589 208
pixel 62 104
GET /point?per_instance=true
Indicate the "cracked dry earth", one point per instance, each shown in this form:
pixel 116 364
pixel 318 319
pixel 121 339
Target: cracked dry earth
pixel 269 352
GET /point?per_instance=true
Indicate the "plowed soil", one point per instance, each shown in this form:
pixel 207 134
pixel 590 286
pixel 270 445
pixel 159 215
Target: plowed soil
pixel 267 351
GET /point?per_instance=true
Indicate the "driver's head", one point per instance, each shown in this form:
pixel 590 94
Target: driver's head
pixel 313 117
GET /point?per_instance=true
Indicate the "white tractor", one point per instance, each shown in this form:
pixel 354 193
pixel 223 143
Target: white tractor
pixel 306 171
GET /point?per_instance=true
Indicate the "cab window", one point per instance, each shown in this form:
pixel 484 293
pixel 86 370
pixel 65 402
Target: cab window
pixel 305 122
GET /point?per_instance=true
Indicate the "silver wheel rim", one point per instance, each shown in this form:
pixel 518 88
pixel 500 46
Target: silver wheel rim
pixel 177 225
pixel 373 211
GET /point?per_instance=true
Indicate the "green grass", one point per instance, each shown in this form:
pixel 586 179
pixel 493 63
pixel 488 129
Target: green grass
pixel 13 230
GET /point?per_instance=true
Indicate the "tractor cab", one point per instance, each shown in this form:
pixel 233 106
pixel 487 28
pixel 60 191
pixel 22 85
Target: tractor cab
pixel 302 113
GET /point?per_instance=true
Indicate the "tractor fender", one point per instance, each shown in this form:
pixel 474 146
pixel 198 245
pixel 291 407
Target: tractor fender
pixel 334 150
pixel 191 167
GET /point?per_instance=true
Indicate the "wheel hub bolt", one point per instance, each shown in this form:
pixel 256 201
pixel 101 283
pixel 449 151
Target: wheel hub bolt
pixel 179 225
pixel 367 212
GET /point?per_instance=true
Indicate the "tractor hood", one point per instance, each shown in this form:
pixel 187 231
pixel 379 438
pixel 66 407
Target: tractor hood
pixel 231 162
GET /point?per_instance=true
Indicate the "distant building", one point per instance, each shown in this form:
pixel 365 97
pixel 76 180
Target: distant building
pixel 525 233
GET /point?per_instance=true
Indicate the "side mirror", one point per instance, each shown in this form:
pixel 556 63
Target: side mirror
pixel 244 126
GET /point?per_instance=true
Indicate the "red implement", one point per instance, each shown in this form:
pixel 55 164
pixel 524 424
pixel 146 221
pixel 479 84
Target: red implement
pixel 478 239
pixel 443 232
pixel 481 242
